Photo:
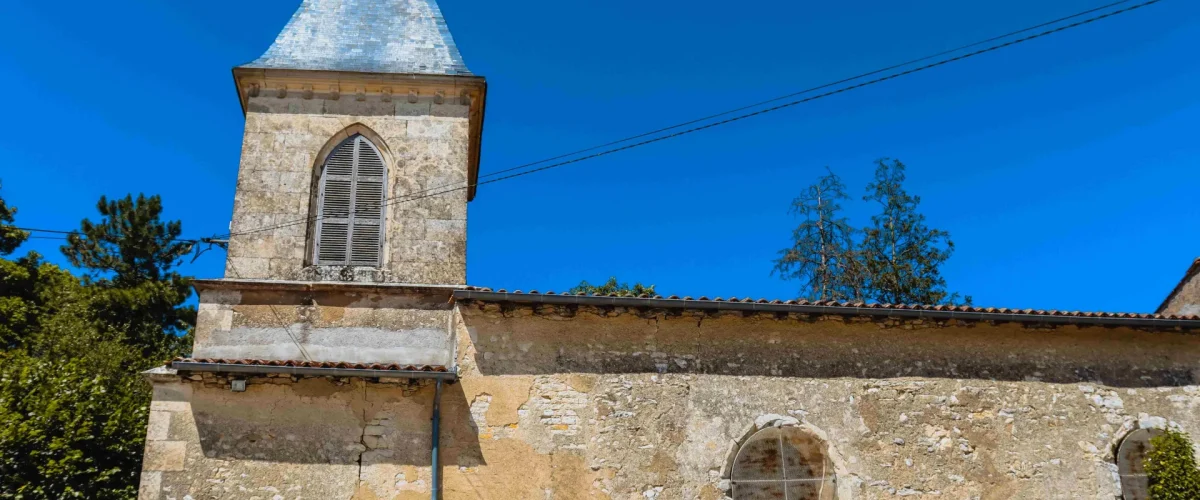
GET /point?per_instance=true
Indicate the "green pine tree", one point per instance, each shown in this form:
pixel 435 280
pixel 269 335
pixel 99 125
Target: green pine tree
pixel 73 406
pixel 823 255
pixel 901 254
pixel 10 236
pixel 130 257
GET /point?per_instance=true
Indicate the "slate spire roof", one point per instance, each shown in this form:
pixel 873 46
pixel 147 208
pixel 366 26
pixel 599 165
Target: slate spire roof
pixel 368 36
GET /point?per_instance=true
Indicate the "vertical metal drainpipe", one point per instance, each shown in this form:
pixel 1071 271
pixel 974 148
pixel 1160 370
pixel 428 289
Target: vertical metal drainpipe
pixel 435 490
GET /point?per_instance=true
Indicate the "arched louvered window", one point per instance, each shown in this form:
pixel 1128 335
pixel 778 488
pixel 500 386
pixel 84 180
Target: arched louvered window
pixel 783 463
pixel 1130 456
pixel 350 204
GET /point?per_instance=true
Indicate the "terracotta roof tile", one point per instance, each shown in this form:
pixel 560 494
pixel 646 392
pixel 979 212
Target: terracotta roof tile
pixel 884 306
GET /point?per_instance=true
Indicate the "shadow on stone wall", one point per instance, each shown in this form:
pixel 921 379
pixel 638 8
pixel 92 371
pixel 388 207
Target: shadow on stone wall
pixel 831 349
pixel 320 422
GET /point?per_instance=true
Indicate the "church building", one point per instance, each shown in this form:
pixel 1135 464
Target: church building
pixel 345 354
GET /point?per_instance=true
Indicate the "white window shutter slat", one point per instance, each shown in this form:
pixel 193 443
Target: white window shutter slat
pixel 368 200
pixel 352 195
pixel 337 198
pixel 364 249
pixel 370 164
pixel 332 243
pixel 341 161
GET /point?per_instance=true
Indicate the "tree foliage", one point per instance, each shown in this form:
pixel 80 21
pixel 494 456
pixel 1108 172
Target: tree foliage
pixel 823 254
pixel 10 236
pixel 1171 467
pixel 613 287
pixel 895 259
pixel 72 418
pixel 130 258
pixel 73 406
pixel 902 255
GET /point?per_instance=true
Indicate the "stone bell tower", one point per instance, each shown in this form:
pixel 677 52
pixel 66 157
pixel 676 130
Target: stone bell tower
pixel 389 72
pixel 348 239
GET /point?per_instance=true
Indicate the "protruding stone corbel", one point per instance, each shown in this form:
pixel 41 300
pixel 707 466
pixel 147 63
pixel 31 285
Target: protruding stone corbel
pixel 308 92
pixel 335 92
pixel 281 92
pixel 387 94
pixel 412 96
pixel 439 97
pixel 360 94
pixel 464 98
pixel 252 90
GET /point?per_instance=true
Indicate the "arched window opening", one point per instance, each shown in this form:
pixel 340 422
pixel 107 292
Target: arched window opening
pixel 1130 457
pixel 350 202
pixel 783 463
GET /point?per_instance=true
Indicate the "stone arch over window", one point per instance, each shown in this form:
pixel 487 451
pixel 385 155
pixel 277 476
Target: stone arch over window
pixel 348 210
pixel 780 458
pixel 1131 454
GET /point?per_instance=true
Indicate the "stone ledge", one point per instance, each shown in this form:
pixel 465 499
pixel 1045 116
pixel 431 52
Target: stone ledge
pixel 161 374
pixel 333 286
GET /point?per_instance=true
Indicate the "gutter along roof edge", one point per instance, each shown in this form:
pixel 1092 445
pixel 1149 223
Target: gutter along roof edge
pixel 880 310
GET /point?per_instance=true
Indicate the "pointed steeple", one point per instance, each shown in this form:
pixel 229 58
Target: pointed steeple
pixel 367 36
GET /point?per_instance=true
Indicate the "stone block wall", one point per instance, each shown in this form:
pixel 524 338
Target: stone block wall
pixel 286 438
pixel 652 408
pixel 392 324
pixel 425 146
pixel 1185 299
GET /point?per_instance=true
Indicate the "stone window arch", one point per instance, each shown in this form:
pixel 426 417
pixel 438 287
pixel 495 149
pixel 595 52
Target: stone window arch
pixel 349 210
pixel 785 462
pixel 1131 454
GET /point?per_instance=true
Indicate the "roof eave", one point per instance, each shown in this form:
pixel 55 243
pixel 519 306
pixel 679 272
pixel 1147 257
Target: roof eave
pixel 883 312
pixel 232 368
pixel 1187 277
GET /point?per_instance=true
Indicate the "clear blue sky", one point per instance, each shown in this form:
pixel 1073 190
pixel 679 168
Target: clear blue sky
pixel 1066 169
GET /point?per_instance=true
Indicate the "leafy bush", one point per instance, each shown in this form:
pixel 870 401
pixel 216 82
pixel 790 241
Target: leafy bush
pixel 70 428
pixel 611 287
pixel 73 407
pixel 1171 467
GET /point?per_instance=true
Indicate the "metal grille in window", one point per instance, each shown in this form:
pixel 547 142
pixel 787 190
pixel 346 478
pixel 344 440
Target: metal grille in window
pixel 783 463
pixel 350 201
pixel 1130 455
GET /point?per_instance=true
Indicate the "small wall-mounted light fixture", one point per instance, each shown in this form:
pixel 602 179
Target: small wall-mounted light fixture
pixel 238 385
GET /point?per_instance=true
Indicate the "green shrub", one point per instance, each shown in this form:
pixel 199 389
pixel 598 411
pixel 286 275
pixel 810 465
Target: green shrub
pixel 1171 467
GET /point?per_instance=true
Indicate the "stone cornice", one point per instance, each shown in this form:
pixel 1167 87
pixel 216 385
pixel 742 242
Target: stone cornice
pixel 472 90
pixel 325 286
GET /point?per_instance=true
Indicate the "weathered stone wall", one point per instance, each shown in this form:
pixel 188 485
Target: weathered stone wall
pixel 424 145
pixel 634 406
pixel 286 438
pixel 1185 299
pixel 354 324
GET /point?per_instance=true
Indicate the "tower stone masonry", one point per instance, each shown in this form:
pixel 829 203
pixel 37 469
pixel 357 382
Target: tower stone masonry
pixel 344 355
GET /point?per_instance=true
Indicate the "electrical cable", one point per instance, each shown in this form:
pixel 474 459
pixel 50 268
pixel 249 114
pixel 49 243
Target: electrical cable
pixel 411 197
pixel 56 231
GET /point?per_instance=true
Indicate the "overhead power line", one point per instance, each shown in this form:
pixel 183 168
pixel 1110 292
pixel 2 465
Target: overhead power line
pixel 453 187
pixel 805 91
pixel 36 230
pixel 57 231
